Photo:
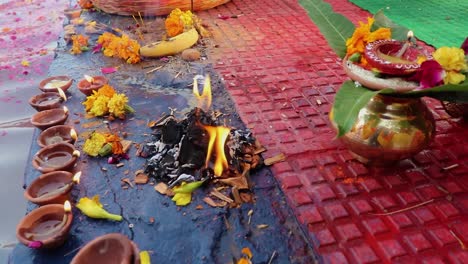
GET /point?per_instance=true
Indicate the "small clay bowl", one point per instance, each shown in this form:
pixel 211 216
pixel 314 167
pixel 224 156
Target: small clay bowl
pixel 87 88
pixel 52 83
pixel 108 249
pixel 50 188
pixel 60 156
pixel 42 219
pixel 54 135
pixel 46 101
pixel 49 118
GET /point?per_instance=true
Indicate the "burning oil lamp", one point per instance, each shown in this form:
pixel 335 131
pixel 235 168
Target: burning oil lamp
pixel 60 156
pixel 48 100
pixel 394 57
pixel 108 249
pixel 52 188
pixel 57 134
pixel 52 83
pixel 46 226
pixel 90 84
pixel 49 118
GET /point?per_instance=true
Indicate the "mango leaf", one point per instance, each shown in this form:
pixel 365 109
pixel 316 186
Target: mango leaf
pixel 398 32
pixel 334 27
pixel 448 92
pixel 349 100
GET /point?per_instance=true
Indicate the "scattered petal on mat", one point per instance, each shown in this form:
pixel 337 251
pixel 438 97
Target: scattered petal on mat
pixel 108 70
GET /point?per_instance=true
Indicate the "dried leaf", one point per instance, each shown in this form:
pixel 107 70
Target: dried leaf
pixel 212 203
pixel 126 144
pixel 221 196
pixel 275 159
pixel 127 181
pixel 141 178
pixel 161 188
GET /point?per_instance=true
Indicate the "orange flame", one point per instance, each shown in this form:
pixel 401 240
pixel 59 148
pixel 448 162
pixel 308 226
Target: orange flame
pixel 62 94
pixel 89 79
pixel 65 110
pixel 218 136
pixel 203 100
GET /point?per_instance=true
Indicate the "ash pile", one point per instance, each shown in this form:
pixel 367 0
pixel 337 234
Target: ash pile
pixel 198 147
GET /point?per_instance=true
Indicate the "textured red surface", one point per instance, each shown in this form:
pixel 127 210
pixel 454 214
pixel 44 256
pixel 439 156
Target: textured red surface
pixel 283 77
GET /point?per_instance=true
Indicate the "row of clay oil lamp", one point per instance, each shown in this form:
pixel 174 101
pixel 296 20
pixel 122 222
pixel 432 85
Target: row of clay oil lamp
pixel 48 226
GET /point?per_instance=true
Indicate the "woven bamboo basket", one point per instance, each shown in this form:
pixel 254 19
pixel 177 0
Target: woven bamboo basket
pixel 153 7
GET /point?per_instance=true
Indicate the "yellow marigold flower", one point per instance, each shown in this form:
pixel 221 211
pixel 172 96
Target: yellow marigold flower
pixel 117 105
pixel 89 101
pixel 452 61
pixel 362 35
pixel 100 107
pixel 106 90
pixel 94 143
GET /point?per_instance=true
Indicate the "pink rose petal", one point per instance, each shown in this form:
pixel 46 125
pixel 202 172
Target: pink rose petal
pixel 35 244
pixel 108 70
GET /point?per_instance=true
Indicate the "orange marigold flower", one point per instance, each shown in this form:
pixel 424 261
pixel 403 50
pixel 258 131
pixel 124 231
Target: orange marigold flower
pixel 362 35
pixel 85 4
pixel 80 44
pixel 106 90
pixel 174 26
pixel 121 47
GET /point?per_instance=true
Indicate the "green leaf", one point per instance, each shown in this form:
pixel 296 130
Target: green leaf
pixel 334 27
pixel 448 92
pixel 398 32
pixel 349 100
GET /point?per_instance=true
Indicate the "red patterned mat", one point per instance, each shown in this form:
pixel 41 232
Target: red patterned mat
pixel 283 77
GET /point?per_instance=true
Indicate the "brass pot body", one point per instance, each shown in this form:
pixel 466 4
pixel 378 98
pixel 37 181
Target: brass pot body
pixel 390 129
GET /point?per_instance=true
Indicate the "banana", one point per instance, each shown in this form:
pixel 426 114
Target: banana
pixel 171 46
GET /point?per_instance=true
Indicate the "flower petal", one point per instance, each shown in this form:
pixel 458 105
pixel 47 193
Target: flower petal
pixel 108 70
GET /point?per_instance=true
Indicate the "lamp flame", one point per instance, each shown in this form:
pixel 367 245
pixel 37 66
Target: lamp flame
pixel 65 110
pixel 203 100
pixel 62 94
pixel 73 134
pixel 218 136
pixel 67 206
pixel 89 79
pixel 76 178
pixel 76 153
pixel 410 34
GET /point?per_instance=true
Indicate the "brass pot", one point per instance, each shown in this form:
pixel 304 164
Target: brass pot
pixel 390 129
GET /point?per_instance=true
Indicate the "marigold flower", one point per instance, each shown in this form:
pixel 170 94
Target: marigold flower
pixel 100 107
pixel 80 44
pixel 89 101
pixel 94 143
pixel 452 61
pixel 362 35
pixel 178 21
pixel 122 47
pixel 106 90
pixel 117 105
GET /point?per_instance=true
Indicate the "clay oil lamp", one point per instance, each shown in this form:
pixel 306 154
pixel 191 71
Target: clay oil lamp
pixel 46 226
pixel 49 118
pixel 90 84
pixel 52 188
pixel 48 100
pixel 52 83
pixel 392 58
pixel 57 134
pixel 60 156
pixel 108 249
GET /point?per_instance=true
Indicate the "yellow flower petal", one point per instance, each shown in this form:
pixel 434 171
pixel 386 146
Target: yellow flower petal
pixel 93 208
pixel 453 77
pixel 145 257
pixel 182 199
pixel 25 63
